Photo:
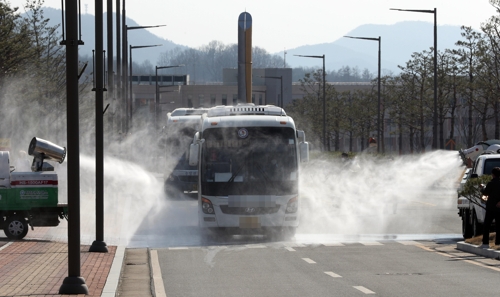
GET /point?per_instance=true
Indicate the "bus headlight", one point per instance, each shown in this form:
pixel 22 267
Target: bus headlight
pixel 206 206
pixel 292 205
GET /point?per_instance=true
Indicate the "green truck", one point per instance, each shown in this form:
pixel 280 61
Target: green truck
pixel 31 198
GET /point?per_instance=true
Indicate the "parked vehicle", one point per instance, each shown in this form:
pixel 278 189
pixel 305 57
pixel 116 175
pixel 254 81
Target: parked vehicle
pixel 31 198
pixel 472 208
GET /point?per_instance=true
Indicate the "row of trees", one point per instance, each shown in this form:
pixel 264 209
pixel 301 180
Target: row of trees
pixel 468 86
pixel 205 64
pixel 468 97
pixel 32 76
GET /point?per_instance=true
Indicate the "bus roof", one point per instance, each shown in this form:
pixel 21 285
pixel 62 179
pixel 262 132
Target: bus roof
pixel 245 109
pixel 188 111
pixel 248 121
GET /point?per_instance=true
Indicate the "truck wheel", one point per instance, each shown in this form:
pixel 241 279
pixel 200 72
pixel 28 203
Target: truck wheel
pixel 477 228
pixel 466 225
pixel 15 227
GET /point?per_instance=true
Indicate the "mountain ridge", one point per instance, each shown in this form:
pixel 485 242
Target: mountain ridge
pixel 399 41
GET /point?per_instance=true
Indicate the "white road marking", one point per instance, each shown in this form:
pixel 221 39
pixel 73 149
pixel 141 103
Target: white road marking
pixel 290 249
pixel 332 274
pixel 363 289
pixel 157 278
pixel 333 244
pixel 5 245
pixel 408 242
pixel 309 260
pixel 372 243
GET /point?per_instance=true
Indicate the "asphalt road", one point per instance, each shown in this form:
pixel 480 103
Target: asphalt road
pixel 388 268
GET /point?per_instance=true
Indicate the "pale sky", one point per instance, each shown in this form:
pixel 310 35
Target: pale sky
pixel 279 24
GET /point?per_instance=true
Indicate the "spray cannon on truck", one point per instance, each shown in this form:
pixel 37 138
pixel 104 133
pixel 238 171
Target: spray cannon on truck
pixel 488 146
pixel 31 198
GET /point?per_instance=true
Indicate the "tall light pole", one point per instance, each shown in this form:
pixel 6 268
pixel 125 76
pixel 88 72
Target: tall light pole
pixel 74 283
pixel 125 74
pixel 379 39
pixel 129 101
pixel 324 96
pixel 435 117
pixel 157 93
pixel 281 83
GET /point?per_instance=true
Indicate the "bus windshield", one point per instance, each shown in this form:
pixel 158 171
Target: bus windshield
pixel 249 161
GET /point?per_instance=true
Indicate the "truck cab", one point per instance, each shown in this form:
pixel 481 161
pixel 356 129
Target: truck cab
pixel 473 210
pixel 30 198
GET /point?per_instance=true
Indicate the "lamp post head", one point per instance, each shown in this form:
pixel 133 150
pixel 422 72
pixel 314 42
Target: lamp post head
pixel 364 38
pixel 173 66
pixel 306 56
pixel 414 10
pixel 144 46
pixel 144 27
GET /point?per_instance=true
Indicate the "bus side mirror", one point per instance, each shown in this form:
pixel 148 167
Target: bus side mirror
pixel 301 136
pixel 194 149
pixel 304 151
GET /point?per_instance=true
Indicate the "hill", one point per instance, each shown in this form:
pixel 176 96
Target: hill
pixel 135 37
pixel 399 41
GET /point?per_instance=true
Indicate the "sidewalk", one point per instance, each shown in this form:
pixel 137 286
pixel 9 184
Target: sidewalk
pixel 38 268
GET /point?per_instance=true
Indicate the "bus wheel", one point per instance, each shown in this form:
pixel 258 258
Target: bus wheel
pixel 15 227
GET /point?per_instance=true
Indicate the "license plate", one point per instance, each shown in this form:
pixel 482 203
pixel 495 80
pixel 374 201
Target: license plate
pixel 249 222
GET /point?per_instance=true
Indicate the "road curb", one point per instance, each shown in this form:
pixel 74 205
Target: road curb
pixel 113 279
pixel 474 249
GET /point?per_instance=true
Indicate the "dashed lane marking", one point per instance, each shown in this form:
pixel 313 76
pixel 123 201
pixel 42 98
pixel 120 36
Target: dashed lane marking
pixel 363 289
pixel 290 249
pixel 332 274
pixel 309 260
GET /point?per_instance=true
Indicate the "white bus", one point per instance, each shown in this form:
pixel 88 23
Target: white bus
pixel 179 177
pixel 248 157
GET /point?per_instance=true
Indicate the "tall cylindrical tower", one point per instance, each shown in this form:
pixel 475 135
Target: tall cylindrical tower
pixel 245 57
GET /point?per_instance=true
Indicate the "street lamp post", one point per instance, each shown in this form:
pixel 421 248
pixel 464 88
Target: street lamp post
pixel 324 96
pixel 129 103
pixel 435 120
pixel 125 81
pixel 379 39
pixel 157 93
pixel 281 86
